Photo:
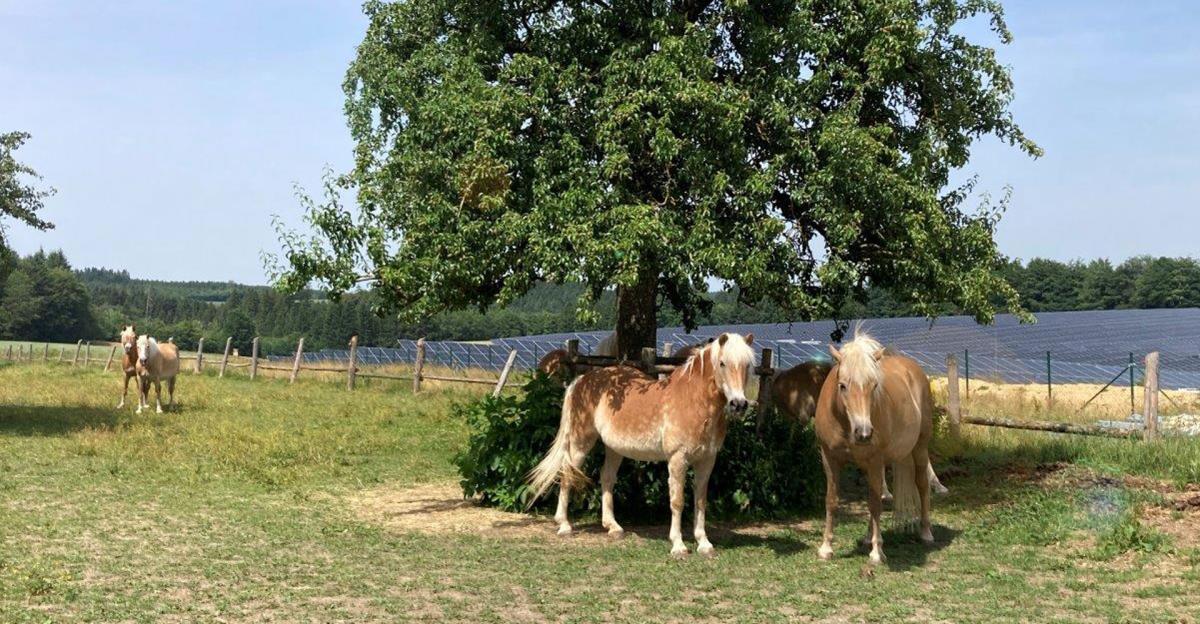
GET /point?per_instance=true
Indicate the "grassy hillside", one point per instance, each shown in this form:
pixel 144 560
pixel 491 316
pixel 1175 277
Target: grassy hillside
pixel 265 501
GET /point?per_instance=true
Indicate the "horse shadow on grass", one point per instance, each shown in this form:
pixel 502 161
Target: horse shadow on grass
pixel 44 420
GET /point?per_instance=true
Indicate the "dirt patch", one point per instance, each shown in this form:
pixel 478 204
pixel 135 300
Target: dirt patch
pixel 438 509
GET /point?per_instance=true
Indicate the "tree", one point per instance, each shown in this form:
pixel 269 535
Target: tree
pixel 18 198
pixel 796 150
pixel 44 300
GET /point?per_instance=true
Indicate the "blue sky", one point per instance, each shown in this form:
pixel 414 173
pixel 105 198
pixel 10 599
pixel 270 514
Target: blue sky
pixel 174 130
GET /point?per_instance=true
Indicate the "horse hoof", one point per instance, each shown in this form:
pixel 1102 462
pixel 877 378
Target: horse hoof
pixel 941 490
pixel 886 498
pixel 564 531
pixel 927 538
pixel 708 552
pixel 679 552
pixel 825 553
pixel 616 534
pixel 877 559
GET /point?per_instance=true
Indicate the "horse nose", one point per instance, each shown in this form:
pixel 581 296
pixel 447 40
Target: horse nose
pixel 863 434
pixel 739 405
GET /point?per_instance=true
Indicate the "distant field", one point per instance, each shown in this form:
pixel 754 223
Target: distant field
pixel 264 501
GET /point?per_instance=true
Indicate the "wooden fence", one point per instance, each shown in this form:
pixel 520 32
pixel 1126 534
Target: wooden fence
pixel 650 362
pixel 254 364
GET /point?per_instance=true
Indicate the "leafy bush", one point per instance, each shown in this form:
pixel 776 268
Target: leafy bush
pixel 760 476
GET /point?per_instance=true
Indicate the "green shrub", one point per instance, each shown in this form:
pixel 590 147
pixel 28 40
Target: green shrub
pixel 759 476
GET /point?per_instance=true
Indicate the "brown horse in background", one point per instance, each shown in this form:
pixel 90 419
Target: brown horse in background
pixel 129 362
pixel 795 391
pixel 876 408
pixel 680 419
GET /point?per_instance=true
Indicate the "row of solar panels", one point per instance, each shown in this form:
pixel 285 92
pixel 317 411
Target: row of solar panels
pixel 1084 347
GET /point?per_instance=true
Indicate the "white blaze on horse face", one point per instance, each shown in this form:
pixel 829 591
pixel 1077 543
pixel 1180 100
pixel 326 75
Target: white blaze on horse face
pixel 145 348
pixel 859 382
pixel 733 358
pixel 128 338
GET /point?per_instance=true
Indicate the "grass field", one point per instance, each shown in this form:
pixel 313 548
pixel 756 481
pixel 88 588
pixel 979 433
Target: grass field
pixel 268 502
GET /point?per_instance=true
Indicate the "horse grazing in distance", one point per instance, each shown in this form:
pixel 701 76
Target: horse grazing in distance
pixel 156 363
pixel 876 408
pixel 795 391
pixel 680 419
pixel 129 361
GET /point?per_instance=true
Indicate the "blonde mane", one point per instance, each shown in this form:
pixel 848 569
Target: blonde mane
pixel 859 363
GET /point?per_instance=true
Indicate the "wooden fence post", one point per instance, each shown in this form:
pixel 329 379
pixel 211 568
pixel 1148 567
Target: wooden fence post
pixel 225 358
pixel 649 355
pixel 62 354
pixel 352 367
pixel 87 353
pixel 9 356
pixel 512 357
pixel 572 355
pixel 668 348
pixel 199 356
pixel 111 354
pixel 46 353
pixel 296 363
pixel 78 346
pixel 953 406
pixel 419 366
pixel 1150 411
pixel 20 352
pixel 254 358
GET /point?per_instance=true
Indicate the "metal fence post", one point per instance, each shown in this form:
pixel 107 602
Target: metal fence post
pixel 1132 365
pixel 296 363
pixel 352 367
pixel 967 371
pixel 765 401
pixel 254 358
pixel 225 358
pixel 1049 383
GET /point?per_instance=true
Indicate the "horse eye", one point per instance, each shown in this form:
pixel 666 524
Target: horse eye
pixel 842 387
pixel 722 364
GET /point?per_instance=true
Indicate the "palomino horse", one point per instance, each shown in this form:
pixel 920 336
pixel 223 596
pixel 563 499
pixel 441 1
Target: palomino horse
pixel 874 409
pixel 794 392
pixel 156 363
pixel 680 419
pixel 129 360
pixel 554 363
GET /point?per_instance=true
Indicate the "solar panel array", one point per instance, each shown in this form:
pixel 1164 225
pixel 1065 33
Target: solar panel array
pixel 1084 347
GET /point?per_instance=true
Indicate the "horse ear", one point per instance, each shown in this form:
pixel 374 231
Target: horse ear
pixel 749 339
pixel 722 339
pixel 837 355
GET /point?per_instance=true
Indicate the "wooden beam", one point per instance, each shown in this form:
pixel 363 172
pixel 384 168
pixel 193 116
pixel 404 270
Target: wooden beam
pixel 1150 401
pixel 225 358
pixel 352 366
pixel 296 362
pixel 512 357
pixel 419 366
pixel 1056 427
pixel 953 404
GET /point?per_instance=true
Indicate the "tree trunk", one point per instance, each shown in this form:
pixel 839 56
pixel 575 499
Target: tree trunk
pixel 637 318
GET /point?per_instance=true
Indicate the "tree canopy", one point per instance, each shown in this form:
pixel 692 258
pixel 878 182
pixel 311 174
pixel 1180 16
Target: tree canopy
pixel 795 150
pixel 20 199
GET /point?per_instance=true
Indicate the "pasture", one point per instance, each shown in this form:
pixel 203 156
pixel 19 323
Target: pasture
pixel 264 501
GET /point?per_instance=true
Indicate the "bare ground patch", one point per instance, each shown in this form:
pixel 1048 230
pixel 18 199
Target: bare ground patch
pixel 439 509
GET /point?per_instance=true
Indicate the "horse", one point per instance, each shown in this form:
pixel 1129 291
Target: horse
pixel 156 362
pixel 554 363
pixel 680 419
pixel 794 392
pixel 129 362
pixel 876 408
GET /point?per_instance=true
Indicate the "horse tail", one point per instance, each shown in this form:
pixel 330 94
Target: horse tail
pixel 906 501
pixel 557 462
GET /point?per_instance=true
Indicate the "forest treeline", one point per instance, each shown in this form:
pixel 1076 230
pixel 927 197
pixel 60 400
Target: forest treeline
pixel 44 299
